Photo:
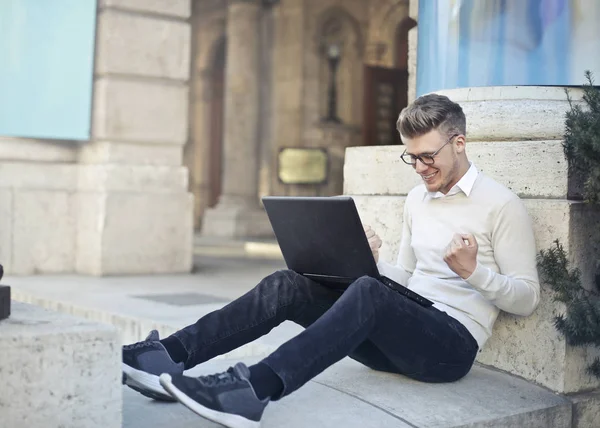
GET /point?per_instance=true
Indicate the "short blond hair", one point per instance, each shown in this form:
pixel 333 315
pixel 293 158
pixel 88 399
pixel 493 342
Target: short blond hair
pixel 430 112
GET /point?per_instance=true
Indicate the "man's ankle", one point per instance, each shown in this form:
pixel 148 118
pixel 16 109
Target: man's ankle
pixel 175 349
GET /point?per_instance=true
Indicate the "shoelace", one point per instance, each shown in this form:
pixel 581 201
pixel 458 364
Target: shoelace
pixel 225 378
pixel 137 345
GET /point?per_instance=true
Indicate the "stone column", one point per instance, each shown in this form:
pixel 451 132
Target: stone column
pixel 413 12
pixel 238 214
pixel 515 137
pixel 134 212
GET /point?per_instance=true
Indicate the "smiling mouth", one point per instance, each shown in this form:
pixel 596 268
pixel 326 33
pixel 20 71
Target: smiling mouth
pixel 428 177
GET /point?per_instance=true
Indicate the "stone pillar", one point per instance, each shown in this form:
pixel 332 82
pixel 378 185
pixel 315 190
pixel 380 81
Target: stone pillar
pixel 413 12
pixel 514 136
pixel 134 212
pixel 238 214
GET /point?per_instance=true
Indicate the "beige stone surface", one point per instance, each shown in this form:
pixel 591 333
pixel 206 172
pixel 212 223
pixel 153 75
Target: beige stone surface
pixel 159 241
pixel 58 371
pixel 90 213
pixel 140 111
pixel 142 46
pixel 529 168
pixel 106 152
pixel 586 410
pixel 236 219
pixel 497 113
pixel 34 175
pixel 43 231
pixel 133 178
pixel 177 8
pixel 31 150
pixel 6 229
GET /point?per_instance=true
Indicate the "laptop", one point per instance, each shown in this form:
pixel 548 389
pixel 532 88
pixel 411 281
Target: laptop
pixel 322 238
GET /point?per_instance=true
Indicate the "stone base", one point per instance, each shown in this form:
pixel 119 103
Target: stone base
pixel 586 409
pixel 58 371
pixel 229 220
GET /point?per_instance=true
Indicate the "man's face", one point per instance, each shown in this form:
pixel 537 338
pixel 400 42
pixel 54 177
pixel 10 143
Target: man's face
pixel 445 171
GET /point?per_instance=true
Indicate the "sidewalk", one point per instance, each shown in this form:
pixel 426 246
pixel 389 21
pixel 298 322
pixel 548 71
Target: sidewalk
pixel 346 395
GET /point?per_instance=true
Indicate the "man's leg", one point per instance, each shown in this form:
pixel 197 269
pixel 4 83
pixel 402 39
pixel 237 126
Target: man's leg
pixel 283 295
pixel 370 322
pixel 382 329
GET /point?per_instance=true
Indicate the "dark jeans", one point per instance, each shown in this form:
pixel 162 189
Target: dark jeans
pixel 368 322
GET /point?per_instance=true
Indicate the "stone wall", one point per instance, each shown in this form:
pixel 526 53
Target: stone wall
pixel 514 135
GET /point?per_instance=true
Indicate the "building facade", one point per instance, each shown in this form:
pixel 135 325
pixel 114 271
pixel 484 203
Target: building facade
pixel 279 90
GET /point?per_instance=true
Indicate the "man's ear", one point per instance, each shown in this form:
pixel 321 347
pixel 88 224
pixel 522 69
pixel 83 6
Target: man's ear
pixel 460 143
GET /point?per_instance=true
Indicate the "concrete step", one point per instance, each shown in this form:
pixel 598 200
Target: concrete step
pixel 58 371
pixel 350 395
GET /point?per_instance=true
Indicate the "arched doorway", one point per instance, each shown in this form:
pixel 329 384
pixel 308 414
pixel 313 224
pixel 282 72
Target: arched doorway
pixel 216 109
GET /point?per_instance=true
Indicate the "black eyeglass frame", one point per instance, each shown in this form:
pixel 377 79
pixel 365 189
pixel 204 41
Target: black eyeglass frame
pixel 430 157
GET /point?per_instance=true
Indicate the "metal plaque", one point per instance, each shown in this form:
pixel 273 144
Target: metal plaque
pixel 302 165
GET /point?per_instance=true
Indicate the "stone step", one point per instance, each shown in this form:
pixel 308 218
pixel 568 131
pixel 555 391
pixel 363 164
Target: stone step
pixel 58 371
pixel 353 396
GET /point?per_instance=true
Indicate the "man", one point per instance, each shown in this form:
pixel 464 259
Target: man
pixel 467 245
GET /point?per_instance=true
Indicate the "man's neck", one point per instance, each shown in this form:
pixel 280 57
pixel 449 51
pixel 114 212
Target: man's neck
pixel 464 167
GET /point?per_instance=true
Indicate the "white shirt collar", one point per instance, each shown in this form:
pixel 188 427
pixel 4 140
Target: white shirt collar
pixel 465 184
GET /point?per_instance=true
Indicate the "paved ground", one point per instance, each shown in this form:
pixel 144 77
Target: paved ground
pixel 347 394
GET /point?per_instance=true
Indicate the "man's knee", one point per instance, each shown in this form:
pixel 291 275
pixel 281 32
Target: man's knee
pixel 368 287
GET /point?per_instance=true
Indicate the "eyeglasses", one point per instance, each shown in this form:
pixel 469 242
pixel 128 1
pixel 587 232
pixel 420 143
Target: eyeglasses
pixel 426 159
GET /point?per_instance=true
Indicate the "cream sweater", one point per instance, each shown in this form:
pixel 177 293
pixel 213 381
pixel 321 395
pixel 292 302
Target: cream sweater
pixel 506 276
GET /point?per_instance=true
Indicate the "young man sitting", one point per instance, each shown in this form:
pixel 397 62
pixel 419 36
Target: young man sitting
pixel 467 245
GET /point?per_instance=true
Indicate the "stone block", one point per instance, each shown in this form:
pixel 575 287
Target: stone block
pixel 177 8
pixel 497 113
pixel 133 178
pixel 529 168
pixel 58 371
pixel 586 409
pixel 158 240
pixel 103 152
pixel 140 111
pixel 142 46
pixel 232 221
pixel 43 230
pixel 41 176
pixel 29 150
pixel 6 229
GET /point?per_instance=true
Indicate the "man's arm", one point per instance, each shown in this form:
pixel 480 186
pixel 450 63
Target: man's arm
pixel 406 262
pixel 516 288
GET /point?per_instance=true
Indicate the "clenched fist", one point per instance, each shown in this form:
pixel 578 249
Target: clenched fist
pixel 461 255
pixel 374 241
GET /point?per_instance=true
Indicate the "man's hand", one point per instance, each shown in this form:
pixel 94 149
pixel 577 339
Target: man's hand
pixel 461 256
pixel 374 241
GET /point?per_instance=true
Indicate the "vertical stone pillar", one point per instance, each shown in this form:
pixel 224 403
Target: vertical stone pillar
pixel 237 214
pixel 134 212
pixel 413 12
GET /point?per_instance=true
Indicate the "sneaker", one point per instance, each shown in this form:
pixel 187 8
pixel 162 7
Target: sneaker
pixel 143 362
pixel 226 398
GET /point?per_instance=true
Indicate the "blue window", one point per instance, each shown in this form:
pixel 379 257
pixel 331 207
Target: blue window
pixel 46 68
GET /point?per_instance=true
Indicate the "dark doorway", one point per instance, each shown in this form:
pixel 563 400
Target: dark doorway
pixel 386 92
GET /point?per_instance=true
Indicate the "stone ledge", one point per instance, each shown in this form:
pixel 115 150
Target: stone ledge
pixel 529 168
pixel 176 8
pixel 350 395
pixel 58 370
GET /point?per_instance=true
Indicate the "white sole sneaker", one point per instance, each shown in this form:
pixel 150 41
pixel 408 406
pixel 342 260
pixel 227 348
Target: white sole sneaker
pixel 225 419
pixel 145 383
